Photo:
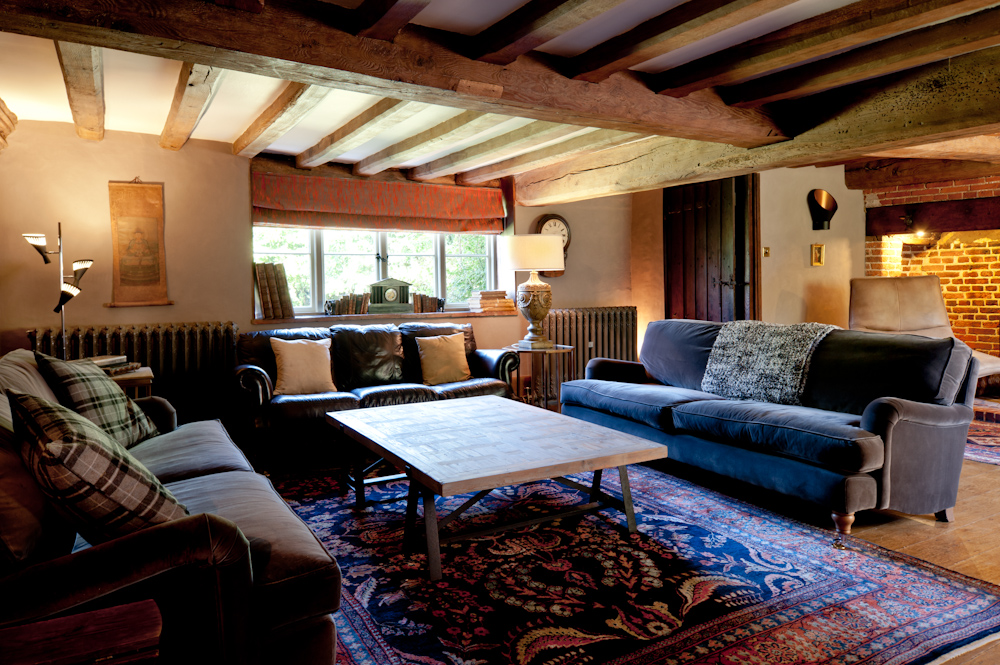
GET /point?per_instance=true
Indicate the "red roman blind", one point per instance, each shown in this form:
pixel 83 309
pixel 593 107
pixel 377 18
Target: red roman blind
pixel 340 203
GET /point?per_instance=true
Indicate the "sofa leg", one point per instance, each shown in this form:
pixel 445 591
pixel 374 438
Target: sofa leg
pixel 843 522
pixel 946 515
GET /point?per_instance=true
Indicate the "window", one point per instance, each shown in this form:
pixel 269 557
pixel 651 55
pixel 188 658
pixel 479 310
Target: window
pixel 445 265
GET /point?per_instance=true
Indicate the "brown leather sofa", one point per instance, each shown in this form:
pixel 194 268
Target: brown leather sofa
pixel 240 580
pixel 374 365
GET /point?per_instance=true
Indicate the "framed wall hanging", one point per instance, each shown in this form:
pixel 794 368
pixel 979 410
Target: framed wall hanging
pixel 139 275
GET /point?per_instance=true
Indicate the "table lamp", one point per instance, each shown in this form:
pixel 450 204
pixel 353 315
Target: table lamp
pixel 534 297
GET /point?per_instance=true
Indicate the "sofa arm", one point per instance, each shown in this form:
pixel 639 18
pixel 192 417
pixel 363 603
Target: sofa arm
pixel 494 364
pixel 255 383
pixel 924 450
pixel 624 371
pixel 160 411
pixel 197 569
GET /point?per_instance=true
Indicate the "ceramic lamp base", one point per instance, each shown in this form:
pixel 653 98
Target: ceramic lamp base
pixel 534 298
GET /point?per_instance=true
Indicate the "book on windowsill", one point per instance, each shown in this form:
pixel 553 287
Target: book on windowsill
pixel 121 368
pixel 491 301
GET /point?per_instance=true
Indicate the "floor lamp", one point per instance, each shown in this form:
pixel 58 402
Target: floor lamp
pixel 67 290
pixel 534 297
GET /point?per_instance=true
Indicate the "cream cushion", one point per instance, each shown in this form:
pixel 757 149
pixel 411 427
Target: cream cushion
pixel 303 366
pixel 442 359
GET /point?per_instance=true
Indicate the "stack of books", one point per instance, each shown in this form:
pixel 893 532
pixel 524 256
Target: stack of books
pixel 351 303
pixel 115 365
pixel 492 301
pixel 424 303
pixel 272 290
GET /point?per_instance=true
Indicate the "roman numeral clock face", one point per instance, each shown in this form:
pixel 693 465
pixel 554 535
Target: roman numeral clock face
pixel 557 226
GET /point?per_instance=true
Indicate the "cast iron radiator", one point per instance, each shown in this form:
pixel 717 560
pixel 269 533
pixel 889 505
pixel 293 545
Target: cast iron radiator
pixel 192 363
pixel 595 332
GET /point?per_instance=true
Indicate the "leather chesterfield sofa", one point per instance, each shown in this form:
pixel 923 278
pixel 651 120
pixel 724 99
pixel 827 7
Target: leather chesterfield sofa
pixel 373 365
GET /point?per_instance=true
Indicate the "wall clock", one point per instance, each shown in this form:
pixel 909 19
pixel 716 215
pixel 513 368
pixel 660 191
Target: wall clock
pixel 558 226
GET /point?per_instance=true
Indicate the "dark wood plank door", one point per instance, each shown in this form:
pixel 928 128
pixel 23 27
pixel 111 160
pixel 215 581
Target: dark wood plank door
pixel 711 244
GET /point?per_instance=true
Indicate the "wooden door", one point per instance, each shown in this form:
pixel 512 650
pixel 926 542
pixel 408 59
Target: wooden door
pixel 711 236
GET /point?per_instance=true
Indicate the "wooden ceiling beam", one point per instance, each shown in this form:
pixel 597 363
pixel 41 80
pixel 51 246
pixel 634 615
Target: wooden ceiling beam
pixel 532 25
pixel 383 19
pixel 553 154
pixel 942 101
pixel 678 27
pixel 460 128
pixel 195 89
pixel 357 131
pixel 493 149
pixel 912 49
pixel 255 6
pixel 83 71
pixel 848 27
pixel 881 173
pixel 8 122
pixel 411 68
pixel 973 149
pixel 292 105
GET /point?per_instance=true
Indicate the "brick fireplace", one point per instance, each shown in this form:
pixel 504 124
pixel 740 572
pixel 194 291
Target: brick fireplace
pixel 966 261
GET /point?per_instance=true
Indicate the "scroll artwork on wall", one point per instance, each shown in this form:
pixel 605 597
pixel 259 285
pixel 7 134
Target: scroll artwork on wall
pixel 140 268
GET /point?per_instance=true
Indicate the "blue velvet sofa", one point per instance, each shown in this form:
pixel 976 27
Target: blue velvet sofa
pixel 882 423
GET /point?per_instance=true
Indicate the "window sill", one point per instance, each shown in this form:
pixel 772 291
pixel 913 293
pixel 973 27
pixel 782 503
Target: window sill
pixel 395 316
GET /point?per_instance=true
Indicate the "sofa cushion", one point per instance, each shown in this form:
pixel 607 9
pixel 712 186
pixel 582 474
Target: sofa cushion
pixel 22 509
pixel 399 393
pixel 89 477
pixel 675 351
pixel 647 403
pixel 442 359
pixel 827 438
pixel 19 371
pixel 194 449
pixel 303 366
pixel 367 356
pixel 84 387
pixel 254 348
pixel 411 355
pixel 294 407
pixel 294 576
pixel 850 369
pixel 472 388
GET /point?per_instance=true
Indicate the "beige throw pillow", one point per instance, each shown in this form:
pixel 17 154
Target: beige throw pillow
pixel 442 359
pixel 303 366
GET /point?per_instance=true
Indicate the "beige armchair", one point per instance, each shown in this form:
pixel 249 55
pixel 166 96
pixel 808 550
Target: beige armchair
pixel 912 305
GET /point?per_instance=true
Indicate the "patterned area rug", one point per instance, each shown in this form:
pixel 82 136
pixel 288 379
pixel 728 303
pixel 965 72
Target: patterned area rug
pixel 707 579
pixel 984 442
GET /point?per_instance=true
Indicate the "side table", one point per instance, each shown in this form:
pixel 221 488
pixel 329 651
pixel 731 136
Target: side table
pixel 136 384
pixel 542 361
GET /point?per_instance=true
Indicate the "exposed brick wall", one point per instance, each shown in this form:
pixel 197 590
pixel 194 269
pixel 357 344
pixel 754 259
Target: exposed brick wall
pixel 968 264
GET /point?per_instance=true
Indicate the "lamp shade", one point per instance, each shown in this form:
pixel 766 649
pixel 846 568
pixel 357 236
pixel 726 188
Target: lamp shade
pixel 37 240
pixel 79 268
pixel 530 252
pixel 67 293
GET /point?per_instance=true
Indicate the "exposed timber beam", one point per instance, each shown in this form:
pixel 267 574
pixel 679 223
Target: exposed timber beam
pixel 891 172
pixel 255 6
pixel 553 154
pixel 496 148
pixel 410 68
pixel 671 30
pixel 196 86
pixel 934 101
pixel 359 130
pixel 83 71
pixel 818 37
pixel 973 149
pixel 912 49
pixel 532 25
pixel 460 128
pixel 288 110
pixel 8 122
pixel 285 164
pixel 383 19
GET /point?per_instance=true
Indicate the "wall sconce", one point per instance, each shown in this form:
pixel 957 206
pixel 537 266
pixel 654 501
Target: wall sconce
pixel 822 207
pixel 918 230
pixel 67 290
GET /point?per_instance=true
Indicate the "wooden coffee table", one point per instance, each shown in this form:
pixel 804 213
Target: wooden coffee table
pixel 477 444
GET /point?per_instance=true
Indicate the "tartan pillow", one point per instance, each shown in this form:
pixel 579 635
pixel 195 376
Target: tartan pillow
pixel 84 387
pixel 87 476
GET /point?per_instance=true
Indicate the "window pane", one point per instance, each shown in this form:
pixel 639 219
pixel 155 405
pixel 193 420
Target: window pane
pixel 464 243
pixel 297 272
pixel 463 276
pixel 410 243
pixel 417 270
pixel 349 242
pixel 267 239
pixel 347 274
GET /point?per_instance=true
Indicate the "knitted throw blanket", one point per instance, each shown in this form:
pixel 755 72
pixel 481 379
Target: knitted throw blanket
pixel 767 362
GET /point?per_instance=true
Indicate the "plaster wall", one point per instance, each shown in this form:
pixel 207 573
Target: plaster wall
pixel 647 258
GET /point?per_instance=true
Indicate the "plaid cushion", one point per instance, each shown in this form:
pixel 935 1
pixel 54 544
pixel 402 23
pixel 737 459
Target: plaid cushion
pixel 84 387
pixel 87 476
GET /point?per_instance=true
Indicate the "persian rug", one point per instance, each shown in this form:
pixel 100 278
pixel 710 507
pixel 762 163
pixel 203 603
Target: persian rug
pixel 706 580
pixel 983 444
